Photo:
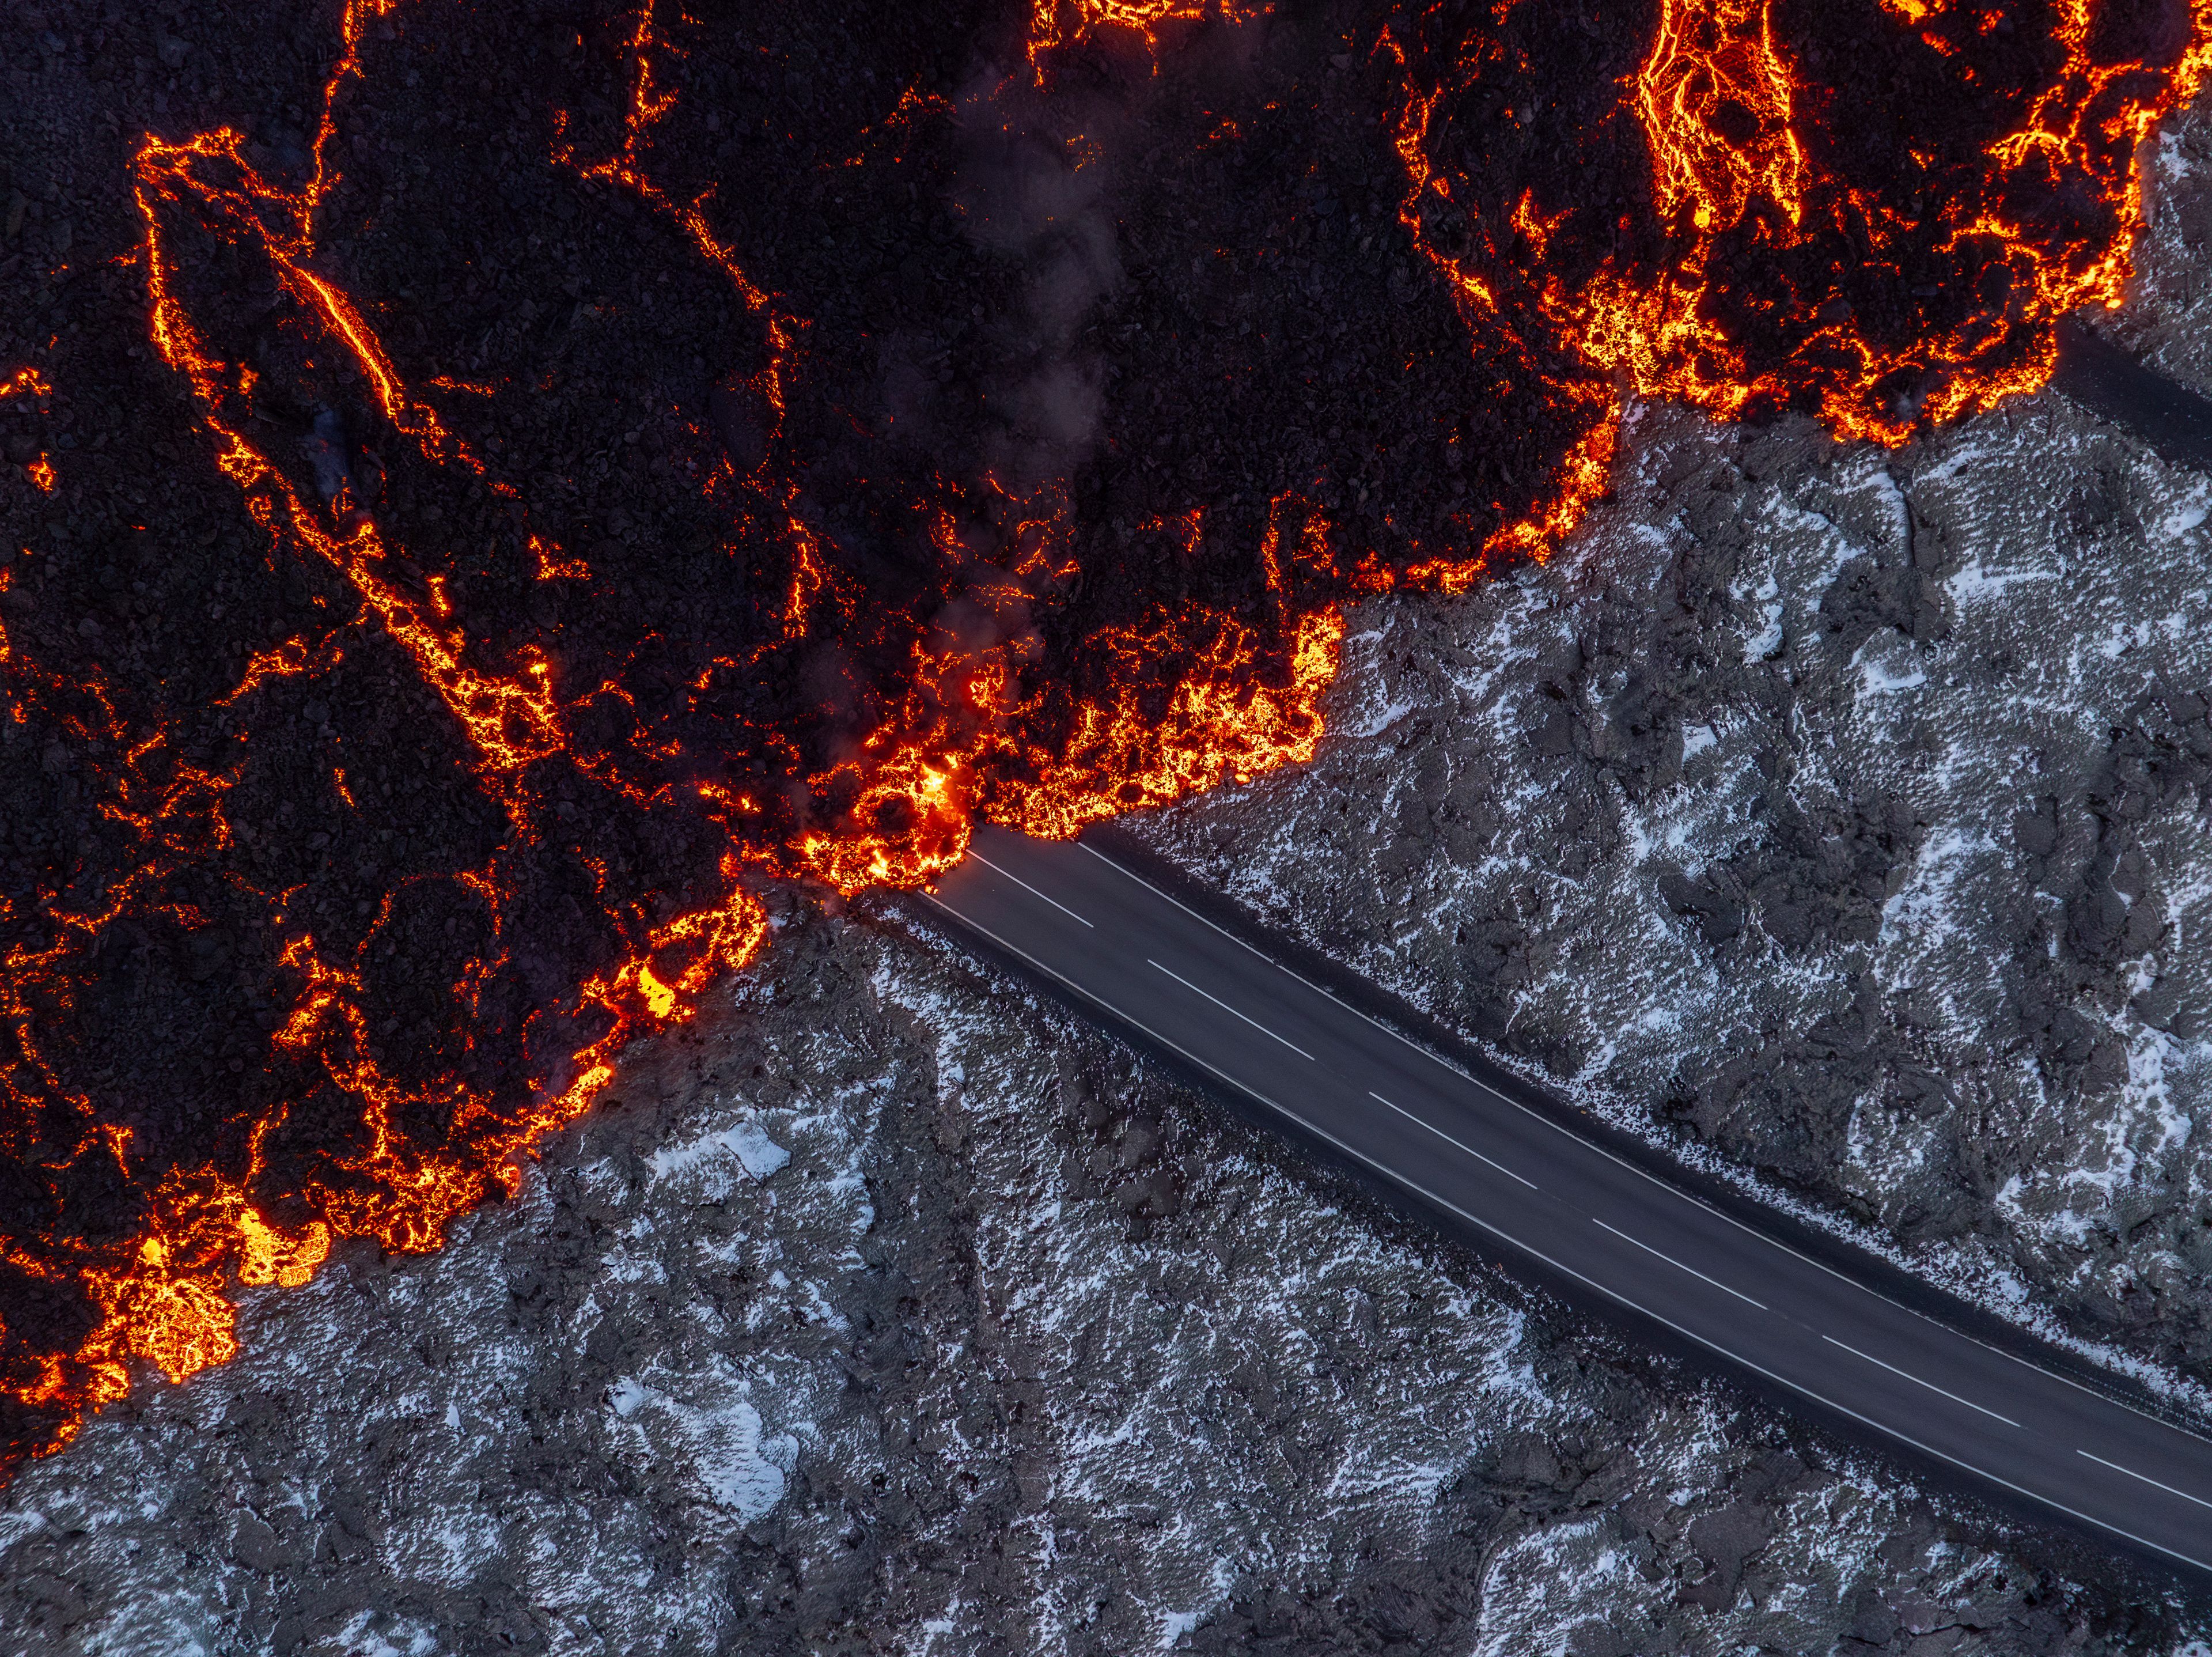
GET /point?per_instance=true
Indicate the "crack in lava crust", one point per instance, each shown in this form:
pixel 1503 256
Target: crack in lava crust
pixel 1872 211
pixel 484 777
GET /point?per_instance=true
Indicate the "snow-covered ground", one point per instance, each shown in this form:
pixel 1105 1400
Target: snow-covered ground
pixel 893 1312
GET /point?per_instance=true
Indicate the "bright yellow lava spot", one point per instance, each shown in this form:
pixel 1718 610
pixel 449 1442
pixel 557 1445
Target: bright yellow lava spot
pixel 658 997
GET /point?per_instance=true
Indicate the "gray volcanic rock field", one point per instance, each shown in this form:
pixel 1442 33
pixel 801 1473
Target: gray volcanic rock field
pixel 1841 812
pixel 895 1312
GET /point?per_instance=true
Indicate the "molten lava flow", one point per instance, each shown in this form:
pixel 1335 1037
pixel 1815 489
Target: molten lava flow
pixel 621 786
pixel 31 386
pixel 1714 98
pixel 1875 216
pixel 1056 24
pixel 1218 724
pixel 341 899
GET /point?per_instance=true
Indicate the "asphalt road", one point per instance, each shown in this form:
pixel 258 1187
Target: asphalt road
pixel 1532 1187
pixel 2173 420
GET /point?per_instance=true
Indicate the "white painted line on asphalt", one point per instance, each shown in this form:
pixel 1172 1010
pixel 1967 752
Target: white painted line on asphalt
pixel 1643 1173
pixel 1677 1264
pixel 1591 1284
pixel 1130 874
pixel 1226 1007
pixel 1449 1140
pixel 1026 886
pixel 1917 1381
pixel 2146 1478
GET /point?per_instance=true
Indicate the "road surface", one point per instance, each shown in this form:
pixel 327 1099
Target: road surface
pixel 1530 1184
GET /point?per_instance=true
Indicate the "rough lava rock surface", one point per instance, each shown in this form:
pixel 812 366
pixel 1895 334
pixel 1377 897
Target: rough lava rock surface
pixel 895 1312
pixel 1842 811
pixel 1838 812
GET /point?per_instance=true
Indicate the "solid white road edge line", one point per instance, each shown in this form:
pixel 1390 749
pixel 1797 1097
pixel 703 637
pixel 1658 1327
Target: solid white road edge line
pixel 1452 1069
pixel 1026 886
pixel 1676 1263
pixel 1748 1230
pixel 1226 1007
pixel 1449 1140
pixel 1480 1223
pixel 2146 1478
pixel 1917 1381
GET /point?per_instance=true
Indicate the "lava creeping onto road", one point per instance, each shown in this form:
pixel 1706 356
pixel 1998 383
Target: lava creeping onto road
pixel 672 456
pixel 651 722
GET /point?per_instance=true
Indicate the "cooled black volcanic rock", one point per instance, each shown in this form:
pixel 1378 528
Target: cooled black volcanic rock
pixel 991 291
pixel 1183 319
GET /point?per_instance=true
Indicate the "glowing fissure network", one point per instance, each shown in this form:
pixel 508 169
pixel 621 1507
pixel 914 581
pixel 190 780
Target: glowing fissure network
pixel 1887 244
pixel 354 1135
pixel 632 779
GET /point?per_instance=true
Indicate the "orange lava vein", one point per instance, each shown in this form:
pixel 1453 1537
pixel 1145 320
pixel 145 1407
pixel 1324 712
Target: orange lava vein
pixel 1190 707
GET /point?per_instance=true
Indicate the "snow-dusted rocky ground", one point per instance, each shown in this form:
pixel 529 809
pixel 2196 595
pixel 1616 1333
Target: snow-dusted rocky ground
pixel 1842 812
pixel 892 1312
pixel 1845 811
pixel 1839 813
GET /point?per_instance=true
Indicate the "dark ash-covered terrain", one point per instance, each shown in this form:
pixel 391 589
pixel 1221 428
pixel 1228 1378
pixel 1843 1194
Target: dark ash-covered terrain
pixel 1838 812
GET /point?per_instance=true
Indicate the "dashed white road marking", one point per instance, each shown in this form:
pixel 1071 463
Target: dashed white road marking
pixel 1449 1140
pixel 1917 1381
pixel 1026 886
pixel 1226 1007
pixel 2146 1478
pixel 1886 1428
pixel 1678 1265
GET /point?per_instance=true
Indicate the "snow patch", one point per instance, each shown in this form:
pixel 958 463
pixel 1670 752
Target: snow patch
pixel 1767 641
pixel 1886 664
pixel 713 1440
pixel 744 1142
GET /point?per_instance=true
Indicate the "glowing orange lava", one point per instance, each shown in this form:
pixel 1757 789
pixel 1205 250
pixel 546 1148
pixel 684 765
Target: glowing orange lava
pixel 31 384
pixel 435 978
pixel 1057 23
pixel 1710 58
pixel 355 1136
pixel 1779 275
